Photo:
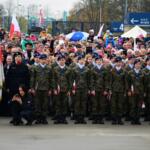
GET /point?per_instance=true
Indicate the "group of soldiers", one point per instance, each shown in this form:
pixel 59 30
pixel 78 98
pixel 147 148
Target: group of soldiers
pixel 89 86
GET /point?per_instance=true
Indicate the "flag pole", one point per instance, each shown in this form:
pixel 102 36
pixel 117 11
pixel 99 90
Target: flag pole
pixel 1 74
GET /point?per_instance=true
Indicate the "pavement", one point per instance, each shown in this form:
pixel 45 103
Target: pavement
pixel 74 137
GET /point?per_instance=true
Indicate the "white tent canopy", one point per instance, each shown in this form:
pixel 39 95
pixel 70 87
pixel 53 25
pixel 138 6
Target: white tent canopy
pixel 135 32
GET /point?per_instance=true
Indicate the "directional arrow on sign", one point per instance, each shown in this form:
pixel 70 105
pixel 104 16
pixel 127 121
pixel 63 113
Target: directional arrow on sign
pixel 133 21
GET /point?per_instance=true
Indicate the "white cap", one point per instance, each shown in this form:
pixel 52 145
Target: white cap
pixel 92 30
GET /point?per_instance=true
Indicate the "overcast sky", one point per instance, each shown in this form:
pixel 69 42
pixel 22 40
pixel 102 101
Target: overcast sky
pixel 55 6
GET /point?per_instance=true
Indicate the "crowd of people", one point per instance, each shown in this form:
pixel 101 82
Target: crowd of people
pixel 104 78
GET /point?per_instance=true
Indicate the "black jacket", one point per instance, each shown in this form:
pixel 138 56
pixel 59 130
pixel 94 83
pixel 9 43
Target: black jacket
pixel 16 76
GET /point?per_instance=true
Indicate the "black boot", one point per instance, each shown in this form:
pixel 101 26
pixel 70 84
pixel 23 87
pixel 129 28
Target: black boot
pixel 133 122
pixel 95 119
pixel 114 121
pixel 119 120
pixel 77 119
pixel 38 120
pixel 127 118
pixel 91 117
pixel 82 120
pixel 147 118
pixel 11 121
pixel 137 121
pixel 54 117
pixel 72 117
pixel 29 122
pixel 17 122
pixel 57 119
pixel 64 121
pixel 100 119
pixel 44 121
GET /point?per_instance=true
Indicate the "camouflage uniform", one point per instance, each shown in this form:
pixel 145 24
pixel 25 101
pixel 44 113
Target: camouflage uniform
pixel 81 80
pixel 136 87
pixel 146 72
pixel 99 100
pixel 90 97
pixel 127 101
pixel 61 84
pixel 118 91
pixel 41 82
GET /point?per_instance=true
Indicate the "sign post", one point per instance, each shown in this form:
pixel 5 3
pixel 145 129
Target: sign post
pixel 142 19
pixel 117 27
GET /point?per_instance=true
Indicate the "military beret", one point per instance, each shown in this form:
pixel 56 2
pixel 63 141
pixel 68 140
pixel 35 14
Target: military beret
pixel 28 44
pixel 136 61
pixel 18 54
pixel 36 55
pixel 80 57
pixel 99 57
pixel 118 59
pixel 43 56
pixel 95 55
pixel 112 56
pixel 61 56
pixel 65 53
pixel 57 54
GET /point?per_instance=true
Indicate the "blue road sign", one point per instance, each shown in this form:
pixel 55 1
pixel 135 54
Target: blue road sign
pixel 139 18
pixel 117 27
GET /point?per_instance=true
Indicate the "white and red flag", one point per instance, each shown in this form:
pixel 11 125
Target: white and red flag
pixel 1 74
pixel 100 31
pixel 41 18
pixel 14 28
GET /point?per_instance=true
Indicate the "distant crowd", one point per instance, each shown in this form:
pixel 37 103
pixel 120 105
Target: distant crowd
pixel 102 78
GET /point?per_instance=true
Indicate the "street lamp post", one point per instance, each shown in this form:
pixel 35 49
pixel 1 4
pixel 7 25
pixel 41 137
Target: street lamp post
pixel 125 11
pixel 4 14
pixel 28 16
pixel 100 3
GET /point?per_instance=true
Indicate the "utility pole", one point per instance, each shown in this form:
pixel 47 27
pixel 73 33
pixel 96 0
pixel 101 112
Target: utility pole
pixel 125 11
pixel 28 16
pixel 100 8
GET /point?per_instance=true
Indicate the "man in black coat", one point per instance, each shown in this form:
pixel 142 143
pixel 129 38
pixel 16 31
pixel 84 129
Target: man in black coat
pixel 18 74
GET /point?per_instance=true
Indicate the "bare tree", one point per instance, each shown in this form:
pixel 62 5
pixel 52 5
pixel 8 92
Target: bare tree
pixel 9 5
pixel 1 9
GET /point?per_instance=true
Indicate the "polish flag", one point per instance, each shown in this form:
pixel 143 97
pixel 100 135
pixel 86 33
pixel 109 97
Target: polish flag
pixel 74 86
pixel 14 28
pixel 1 74
pixel 100 31
pixel 41 17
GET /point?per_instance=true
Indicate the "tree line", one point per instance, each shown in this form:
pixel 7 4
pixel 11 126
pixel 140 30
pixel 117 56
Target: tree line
pixel 107 10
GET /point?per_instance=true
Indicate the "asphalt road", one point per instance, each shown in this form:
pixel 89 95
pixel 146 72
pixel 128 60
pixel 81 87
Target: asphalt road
pixel 74 137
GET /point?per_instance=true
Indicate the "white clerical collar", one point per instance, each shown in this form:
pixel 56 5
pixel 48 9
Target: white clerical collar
pixel 99 66
pixel 42 65
pixel 36 64
pixel 148 67
pixel 62 67
pixel 94 64
pixel 131 66
pixel 118 68
pixel 81 66
pixel 8 66
pixel 136 70
pixel 112 64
